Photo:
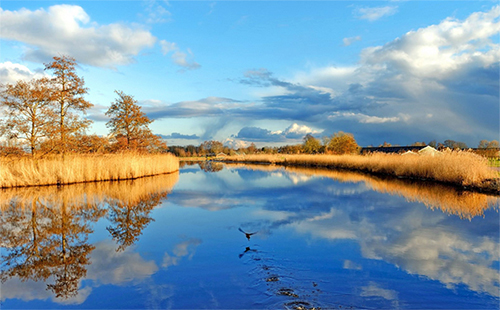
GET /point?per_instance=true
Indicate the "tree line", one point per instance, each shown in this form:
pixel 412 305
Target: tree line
pixel 339 143
pixel 46 116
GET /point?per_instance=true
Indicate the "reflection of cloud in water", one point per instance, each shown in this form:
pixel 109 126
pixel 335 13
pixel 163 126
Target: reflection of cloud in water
pixel 207 201
pixel 183 249
pixel 37 290
pixel 112 267
pixel 443 256
pixel 348 264
pixel 438 246
pixel 374 290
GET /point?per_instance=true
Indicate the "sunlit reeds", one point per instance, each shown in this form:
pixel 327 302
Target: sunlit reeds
pixel 83 168
pixel 454 167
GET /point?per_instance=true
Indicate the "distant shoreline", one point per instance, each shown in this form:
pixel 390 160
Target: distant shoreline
pixel 460 169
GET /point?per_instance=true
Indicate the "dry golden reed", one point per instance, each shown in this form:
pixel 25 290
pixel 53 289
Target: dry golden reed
pixel 83 168
pixel 456 167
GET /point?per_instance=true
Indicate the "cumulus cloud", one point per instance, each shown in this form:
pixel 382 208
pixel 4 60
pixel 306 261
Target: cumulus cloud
pixel 373 14
pixel 10 73
pixel 182 59
pixel 61 29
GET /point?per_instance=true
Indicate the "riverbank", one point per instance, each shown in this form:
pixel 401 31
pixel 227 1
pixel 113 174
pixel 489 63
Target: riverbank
pixel 464 169
pixel 25 171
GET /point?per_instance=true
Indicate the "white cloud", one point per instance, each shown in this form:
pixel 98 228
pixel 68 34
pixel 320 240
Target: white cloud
pixel 67 29
pixel 300 130
pixel 178 57
pixel 366 119
pixel 351 40
pixel 10 73
pixel 373 14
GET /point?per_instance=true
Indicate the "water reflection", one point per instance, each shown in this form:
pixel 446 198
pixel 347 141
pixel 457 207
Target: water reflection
pixel 45 230
pixel 439 247
pixel 465 204
pixel 324 239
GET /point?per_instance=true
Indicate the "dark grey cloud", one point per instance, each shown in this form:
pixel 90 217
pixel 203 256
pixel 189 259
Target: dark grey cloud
pixel 207 107
pixel 176 135
pixel 258 134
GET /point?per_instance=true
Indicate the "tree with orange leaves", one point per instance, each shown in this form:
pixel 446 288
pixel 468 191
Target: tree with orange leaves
pixel 129 125
pixel 29 115
pixel 68 100
pixel 343 143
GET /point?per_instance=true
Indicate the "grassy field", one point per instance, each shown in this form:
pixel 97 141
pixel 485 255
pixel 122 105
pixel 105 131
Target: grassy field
pixel 16 172
pixel 458 168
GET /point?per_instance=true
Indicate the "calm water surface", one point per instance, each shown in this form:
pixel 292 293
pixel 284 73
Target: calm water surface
pixel 322 239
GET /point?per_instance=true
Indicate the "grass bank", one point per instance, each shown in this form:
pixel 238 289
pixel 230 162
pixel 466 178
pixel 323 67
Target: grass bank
pixel 454 167
pixel 17 172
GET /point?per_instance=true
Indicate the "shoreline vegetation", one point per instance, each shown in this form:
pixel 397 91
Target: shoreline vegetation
pixel 79 168
pixel 458 168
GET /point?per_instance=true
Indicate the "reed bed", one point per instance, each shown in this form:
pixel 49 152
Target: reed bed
pixel 453 167
pixel 83 168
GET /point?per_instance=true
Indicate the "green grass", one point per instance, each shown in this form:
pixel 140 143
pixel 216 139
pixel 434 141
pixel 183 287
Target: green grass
pixel 494 162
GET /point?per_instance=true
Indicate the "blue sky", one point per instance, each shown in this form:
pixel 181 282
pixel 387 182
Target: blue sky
pixel 270 72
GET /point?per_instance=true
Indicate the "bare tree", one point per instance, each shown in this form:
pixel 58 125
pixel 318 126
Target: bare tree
pixel 68 99
pixel 28 112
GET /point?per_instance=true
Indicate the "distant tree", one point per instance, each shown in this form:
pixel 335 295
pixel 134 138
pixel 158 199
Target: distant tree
pixel 28 112
pixel 343 143
pixel 493 144
pixel 212 146
pixel 68 91
pixel 251 149
pixel 311 145
pixel 433 143
pixel 483 144
pixel 129 125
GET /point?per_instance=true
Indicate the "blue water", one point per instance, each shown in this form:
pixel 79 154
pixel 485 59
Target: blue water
pixel 319 242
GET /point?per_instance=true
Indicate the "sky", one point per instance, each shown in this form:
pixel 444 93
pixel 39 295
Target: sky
pixel 270 72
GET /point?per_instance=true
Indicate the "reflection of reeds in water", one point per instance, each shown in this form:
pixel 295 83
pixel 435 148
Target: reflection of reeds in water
pixel 462 168
pixel 80 195
pixel 83 168
pixel 465 204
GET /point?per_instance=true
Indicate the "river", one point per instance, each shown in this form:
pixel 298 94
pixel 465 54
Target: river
pixel 222 236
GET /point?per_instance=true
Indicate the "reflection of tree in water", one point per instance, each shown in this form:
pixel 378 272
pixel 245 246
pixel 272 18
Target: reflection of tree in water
pixel 47 238
pixel 211 166
pixel 129 220
pixel 44 231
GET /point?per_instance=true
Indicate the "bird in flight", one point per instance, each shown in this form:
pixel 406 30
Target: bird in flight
pixel 247 234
